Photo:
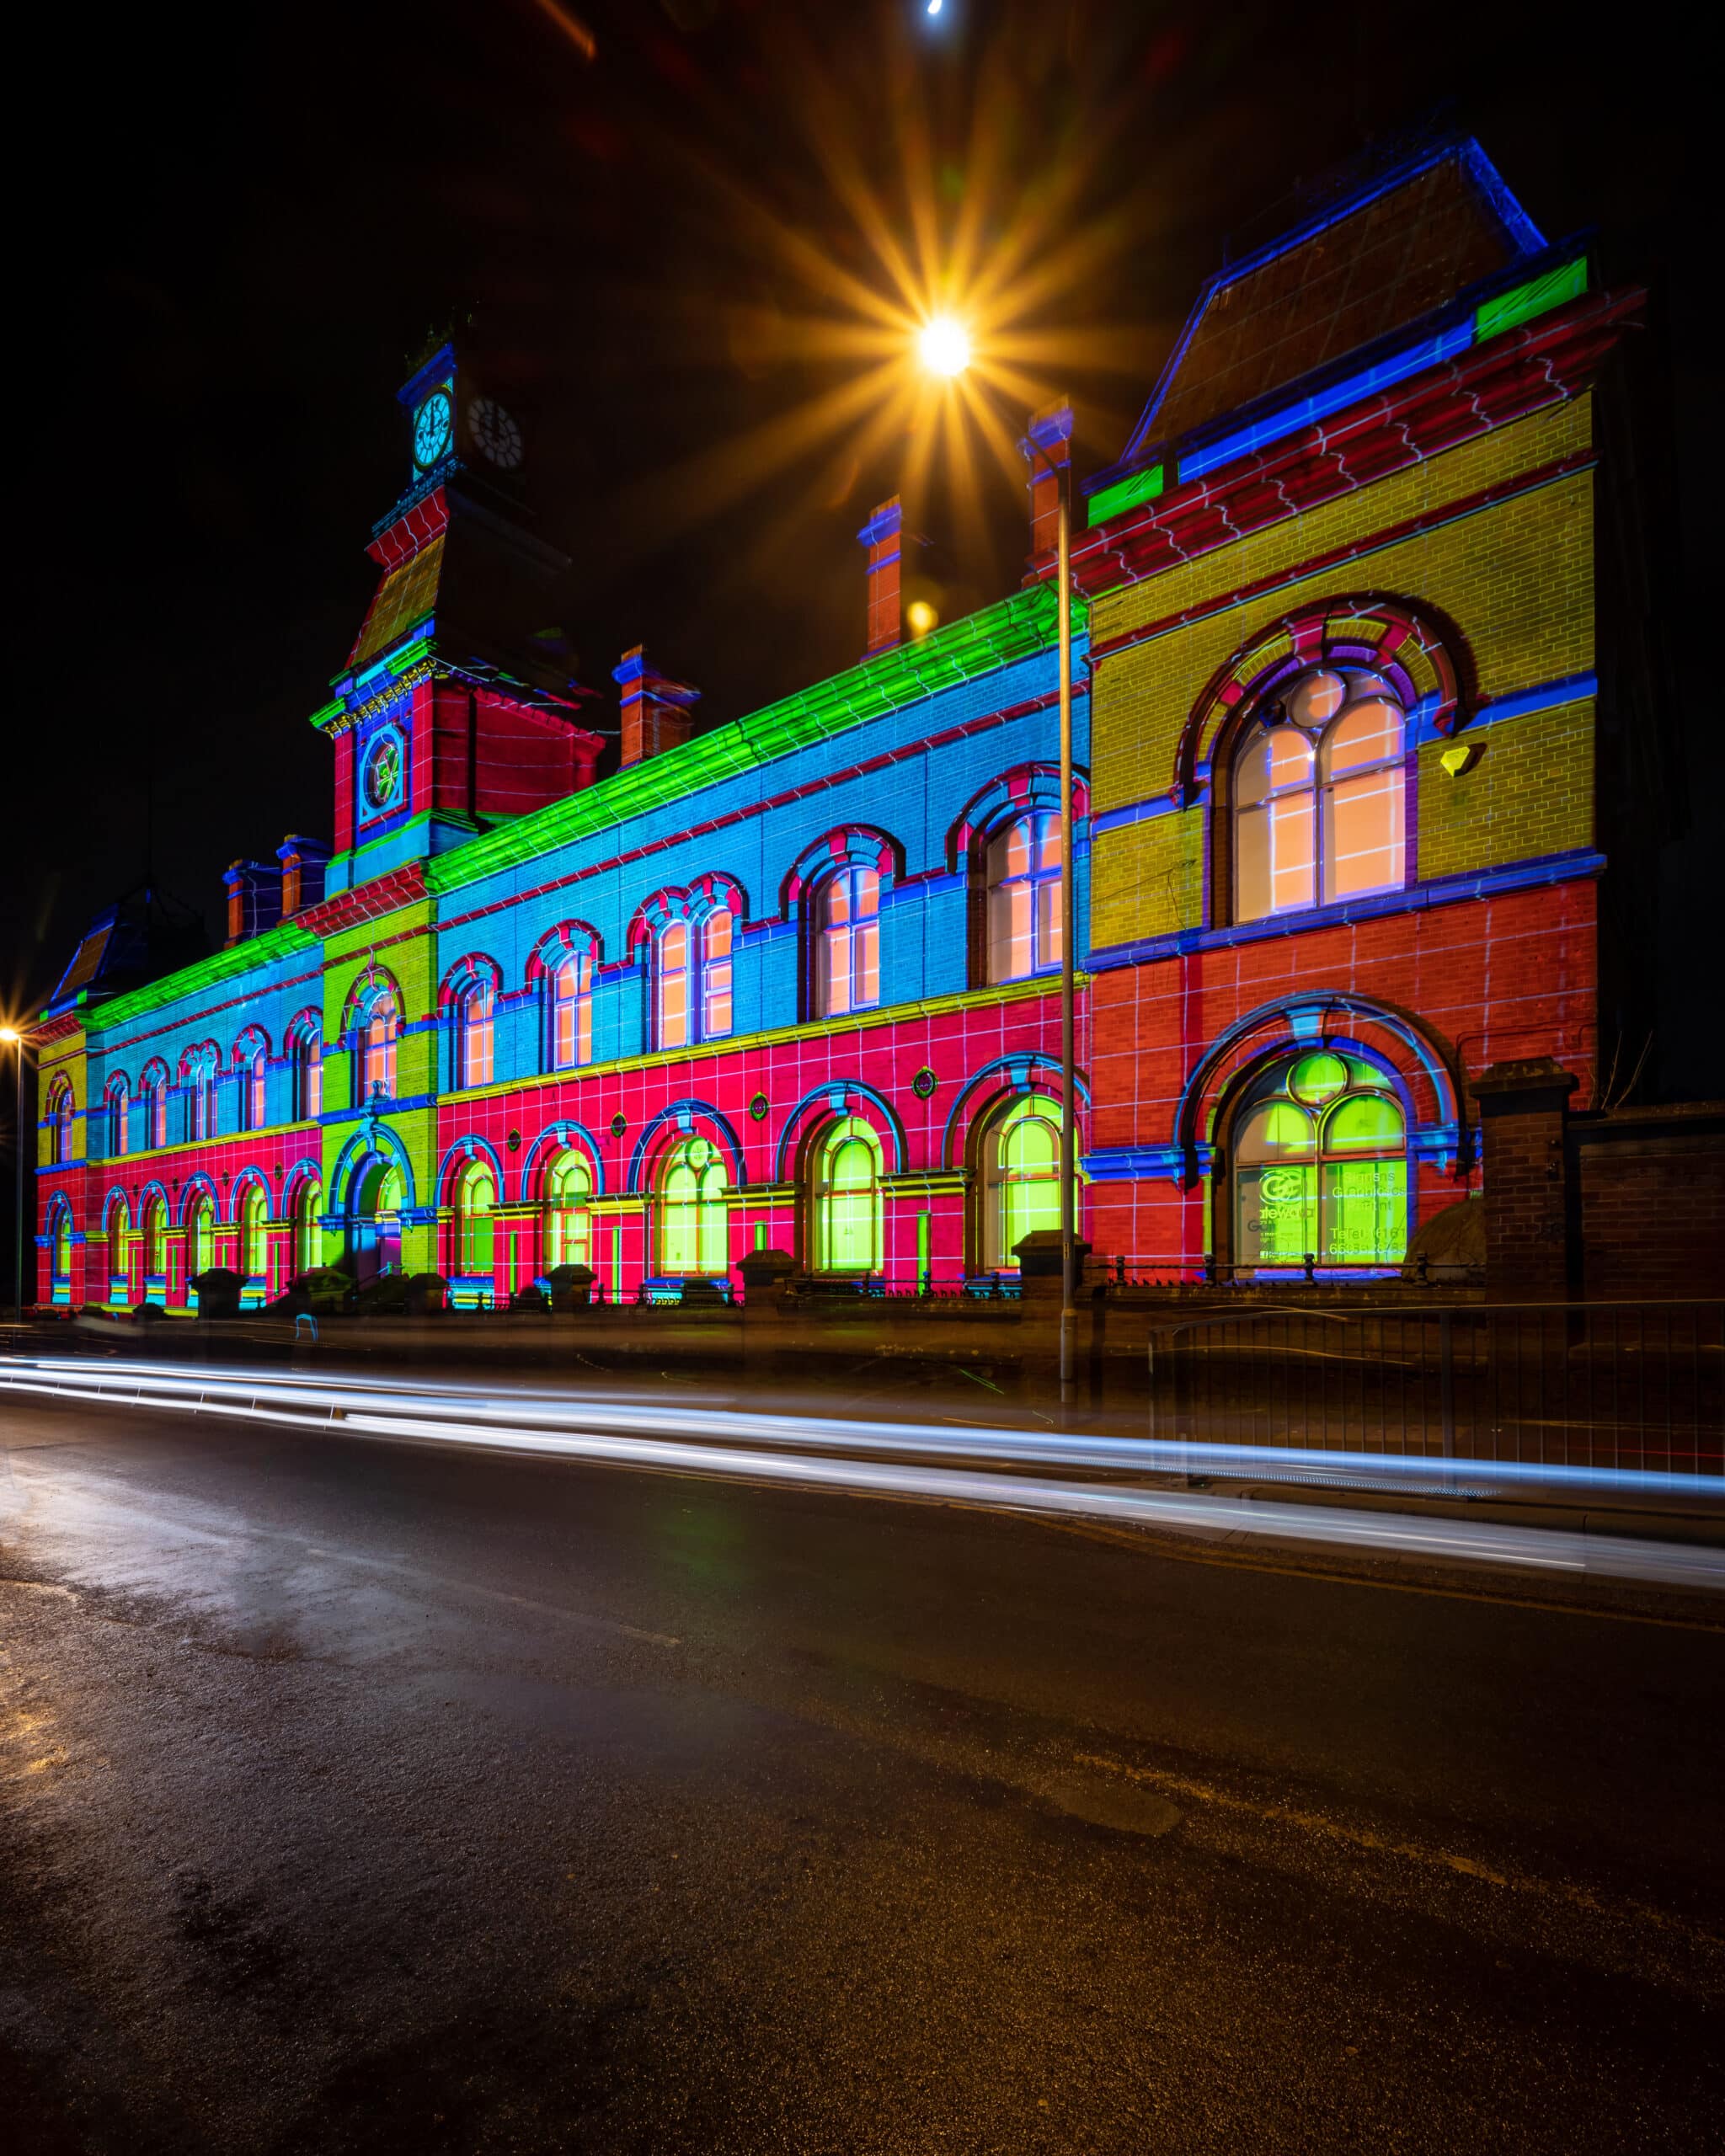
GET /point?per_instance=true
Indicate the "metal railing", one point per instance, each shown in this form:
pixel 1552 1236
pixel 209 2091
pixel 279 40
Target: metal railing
pixel 1209 1272
pixel 1614 1385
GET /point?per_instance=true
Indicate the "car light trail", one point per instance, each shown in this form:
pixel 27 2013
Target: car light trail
pixel 957 1464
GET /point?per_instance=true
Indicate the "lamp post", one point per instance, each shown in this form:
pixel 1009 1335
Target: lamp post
pixel 15 1040
pixel 945 349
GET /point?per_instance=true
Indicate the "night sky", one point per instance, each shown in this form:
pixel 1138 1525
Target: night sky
pixel 251 218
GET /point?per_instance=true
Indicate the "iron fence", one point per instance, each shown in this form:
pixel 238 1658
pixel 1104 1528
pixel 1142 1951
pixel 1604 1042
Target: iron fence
pixel 1601 1385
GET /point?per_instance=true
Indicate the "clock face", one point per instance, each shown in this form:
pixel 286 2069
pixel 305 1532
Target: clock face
pixel 496 436
pixel 381 779
pixel 434 424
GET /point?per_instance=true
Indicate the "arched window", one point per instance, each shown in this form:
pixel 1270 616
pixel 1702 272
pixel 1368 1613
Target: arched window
pixel 201 1241
pixel 671 986
pixel 1021 1178
pixel 1024 866
pixel 844 1198
pixel 307 1235
pixel 118 1136
pixel 156 1105
pixel 568 1222
pixel 307 1053
pixel 691 1235
pixel 1320 1165
pixel 570 1029
pixel 155 1228
pixel 251 1065
pixel 62 1110
pixel 199 1070
pixel 847 943
pixel 475 1212
pixel 716 935
pixel 380 1024
pixel 476 1034
pixel 253 1236
pixel 1319 795
pixel 61 1247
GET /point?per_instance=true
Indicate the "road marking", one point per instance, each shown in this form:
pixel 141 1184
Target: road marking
pixel 1362 1838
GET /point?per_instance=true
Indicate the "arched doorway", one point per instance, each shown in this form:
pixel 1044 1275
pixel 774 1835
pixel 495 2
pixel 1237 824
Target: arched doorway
pixel 376 1195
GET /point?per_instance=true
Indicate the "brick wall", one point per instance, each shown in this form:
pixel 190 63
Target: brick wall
pixel 1651 1185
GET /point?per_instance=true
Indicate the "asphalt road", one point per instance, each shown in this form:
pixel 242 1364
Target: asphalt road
pixel 361 1795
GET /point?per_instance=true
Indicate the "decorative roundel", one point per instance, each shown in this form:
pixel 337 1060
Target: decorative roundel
pixel 382 775
pixel 924 1083
pixel 619 1124
pixel 495 434
pixel 434 428
pixel 760 1109
pixel 514 1141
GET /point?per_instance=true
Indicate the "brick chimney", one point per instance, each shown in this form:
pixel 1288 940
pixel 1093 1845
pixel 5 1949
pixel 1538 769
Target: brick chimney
pixel 303 861
pixel 658 713
pixel 881 536
pixel 253 899
pixel 1047 448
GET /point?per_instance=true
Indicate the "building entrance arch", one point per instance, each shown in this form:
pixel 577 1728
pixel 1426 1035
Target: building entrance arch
pixel 375 1196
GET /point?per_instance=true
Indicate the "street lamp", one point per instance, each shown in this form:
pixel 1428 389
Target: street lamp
pixel 14 1039
pixel 944 347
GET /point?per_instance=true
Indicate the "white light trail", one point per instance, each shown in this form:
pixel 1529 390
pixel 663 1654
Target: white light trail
pixel 971 1466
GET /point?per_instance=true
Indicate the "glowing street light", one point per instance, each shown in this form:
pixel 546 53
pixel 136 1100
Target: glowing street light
pixel 944 345
pixel 11 1037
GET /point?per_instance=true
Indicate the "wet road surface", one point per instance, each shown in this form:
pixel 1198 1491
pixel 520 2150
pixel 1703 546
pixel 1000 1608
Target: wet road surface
pixel 357 1795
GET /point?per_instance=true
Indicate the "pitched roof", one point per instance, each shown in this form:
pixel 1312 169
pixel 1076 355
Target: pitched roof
pixel 1380 259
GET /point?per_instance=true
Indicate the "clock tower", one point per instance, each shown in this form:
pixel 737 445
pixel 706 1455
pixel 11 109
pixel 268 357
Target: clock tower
pixel 451 716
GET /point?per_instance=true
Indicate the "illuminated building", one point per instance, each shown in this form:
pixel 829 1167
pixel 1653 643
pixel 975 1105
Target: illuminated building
pixel 788 981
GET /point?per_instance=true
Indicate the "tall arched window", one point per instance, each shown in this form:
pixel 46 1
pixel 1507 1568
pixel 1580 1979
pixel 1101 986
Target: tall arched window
pixel 671 986
pixel 251 1065
pixel 60 1247
pixel 155 1230
pixel 307 1235
pixel 691 1235
pixel 568 1222
pixel 1021 1178
pixel 1024 866
pixel 844 1198
pixel 119 1135
pixel 199 1069
pixel 155 1083
pixel 380 1024
pixel 200 1239
pixel 475 1213
pixel 1319 795
pixel 476 1034
pixel 847 943
pixel 61 1111
pixel 254 1232
pixel 570 989
pixel 1320 1165
pixel 307 1053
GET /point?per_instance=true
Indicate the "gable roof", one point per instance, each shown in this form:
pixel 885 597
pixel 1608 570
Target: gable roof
pixel 1380 258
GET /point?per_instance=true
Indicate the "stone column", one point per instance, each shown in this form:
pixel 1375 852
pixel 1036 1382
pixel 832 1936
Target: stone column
pixel 1524 1107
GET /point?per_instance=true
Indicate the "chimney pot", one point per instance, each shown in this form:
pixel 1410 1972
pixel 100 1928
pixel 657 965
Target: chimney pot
pixel 1047 448
pixel 880 537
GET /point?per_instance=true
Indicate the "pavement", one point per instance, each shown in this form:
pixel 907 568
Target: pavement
pixel 368 1795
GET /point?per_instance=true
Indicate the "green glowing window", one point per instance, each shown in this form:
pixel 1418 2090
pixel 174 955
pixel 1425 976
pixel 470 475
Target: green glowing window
pixel 203 1235
pixel 63 1244
pixel 1320 1165
pixel 307 1240
pixel 846 1199
pixel 689 1211
pixel 154 1237
pixel 568 1222
pixel 1021 1179
pixel 475 1213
